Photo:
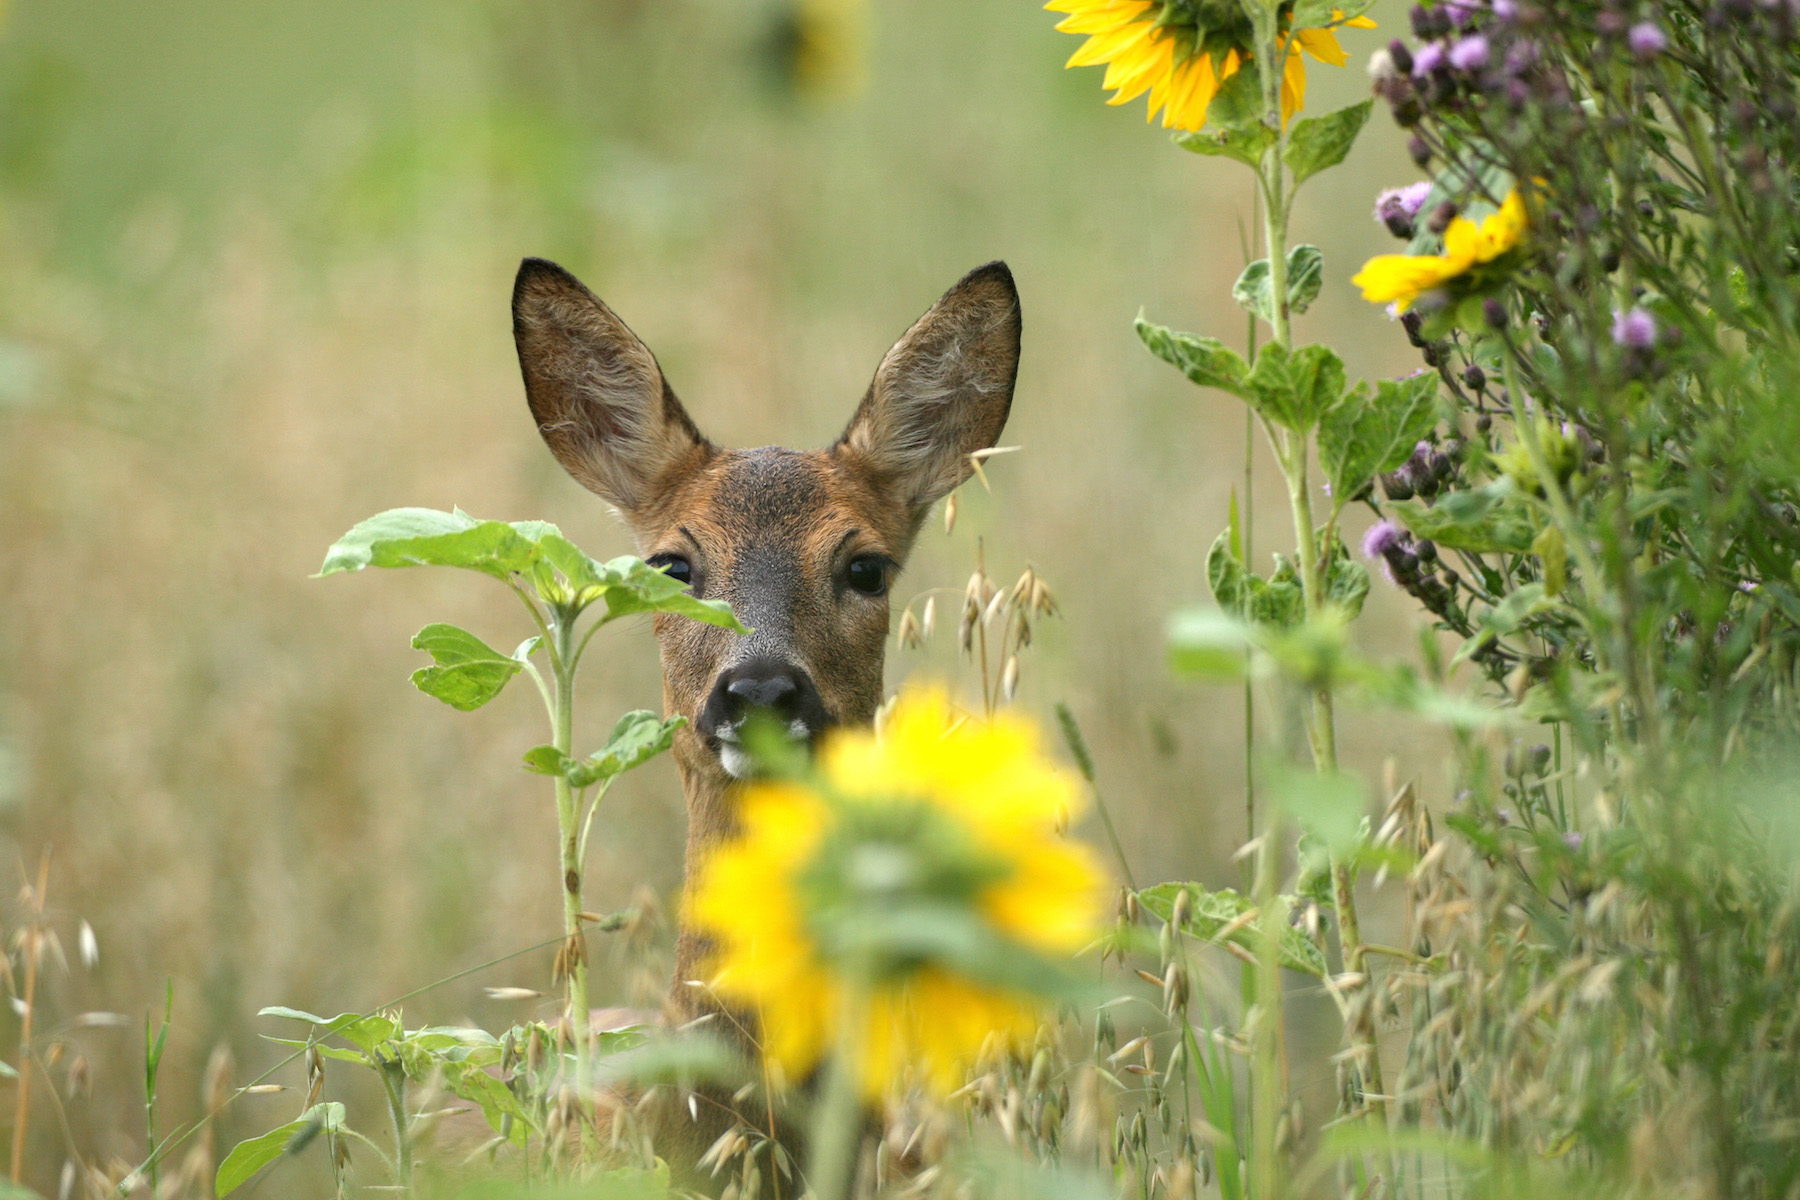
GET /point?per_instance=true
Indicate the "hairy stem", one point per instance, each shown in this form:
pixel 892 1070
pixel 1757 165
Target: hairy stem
pixel 573 957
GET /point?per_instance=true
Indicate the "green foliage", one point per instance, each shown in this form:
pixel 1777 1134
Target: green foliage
pixel 1294 388
pixel 1370 434
pixel 1319 143
pixel 1255 288
pixel 1204 360
pixel 252 1155
pixel 1228 915
pixel 638 737
pixel 1245 142
pixel 469 672
pixel 561 574
pixel 1324 14
pixel 1493 520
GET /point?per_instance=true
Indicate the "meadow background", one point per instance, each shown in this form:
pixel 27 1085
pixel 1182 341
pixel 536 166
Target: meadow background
pixel 256 264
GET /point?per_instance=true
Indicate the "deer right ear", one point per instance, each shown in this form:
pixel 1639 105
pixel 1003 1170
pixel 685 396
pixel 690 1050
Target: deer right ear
pixel 601 403
pixel 943 392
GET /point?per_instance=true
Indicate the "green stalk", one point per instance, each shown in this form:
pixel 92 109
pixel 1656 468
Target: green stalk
pixel 393 1082
pixel 574 955
pixel 1267 1178
pixel 837 1115
pixel 1294 454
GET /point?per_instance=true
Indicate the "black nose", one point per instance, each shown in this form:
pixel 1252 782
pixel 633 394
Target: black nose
pixel 777 691
pixel 782 690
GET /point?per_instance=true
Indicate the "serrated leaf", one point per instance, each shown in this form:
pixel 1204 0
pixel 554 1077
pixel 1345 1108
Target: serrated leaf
pixel 249 1157
pixel 1276 601
pixel 1366 435
pixel 469 672
pixel 1478 522
pixel 1346 584
pixel 1294 388
pixel 1319 143
pixel 1255 288
pixel 1211 912
pixel 414 537
pixel 1205 361
pixel 1246 141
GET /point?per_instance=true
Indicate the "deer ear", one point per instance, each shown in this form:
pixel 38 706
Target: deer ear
pixel 943 391
pixel 599 397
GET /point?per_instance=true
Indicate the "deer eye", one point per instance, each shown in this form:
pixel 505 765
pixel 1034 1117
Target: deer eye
pixel 674 566
pixel 867 574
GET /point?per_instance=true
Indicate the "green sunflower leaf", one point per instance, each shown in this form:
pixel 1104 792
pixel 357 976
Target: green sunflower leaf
pixel 1318 143
pixel 1206 361
pixel 250 1156
pixel 1244 141
pixel 417 537
pixel 1327 14
pixel 468 672
pixel 1239 101
pixel 1255 290
pixel 637 737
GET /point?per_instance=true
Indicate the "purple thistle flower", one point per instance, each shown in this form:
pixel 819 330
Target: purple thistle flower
pixel 1572 840
pixel 1505 10
pixel 1634 329
pixel 1462 11
pixel 1469 53
pixel 1382 537
pixel 1647 40
pixel 1397 208
pixel 1427 58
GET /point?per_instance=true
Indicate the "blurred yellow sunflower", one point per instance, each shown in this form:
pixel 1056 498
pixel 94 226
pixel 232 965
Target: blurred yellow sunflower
pixel 1400 279
pixel 929 859
pixel 1183 63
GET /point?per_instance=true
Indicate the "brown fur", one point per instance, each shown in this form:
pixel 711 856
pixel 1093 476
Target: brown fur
pixel 770 530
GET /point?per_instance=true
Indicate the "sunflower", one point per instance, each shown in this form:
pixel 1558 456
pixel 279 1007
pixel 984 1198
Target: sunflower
pixel 917 858
pixel 1184 63
pixel 1401 279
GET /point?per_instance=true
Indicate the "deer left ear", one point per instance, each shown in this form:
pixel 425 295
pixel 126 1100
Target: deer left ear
pixel 942 392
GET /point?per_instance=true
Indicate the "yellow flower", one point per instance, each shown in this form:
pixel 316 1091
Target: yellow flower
pixel 959 818
pixel 1402 278
pixel 1176 63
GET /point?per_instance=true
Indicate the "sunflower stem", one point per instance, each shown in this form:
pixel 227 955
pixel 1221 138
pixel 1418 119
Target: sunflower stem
pixel 837 1115
pixel 1294 455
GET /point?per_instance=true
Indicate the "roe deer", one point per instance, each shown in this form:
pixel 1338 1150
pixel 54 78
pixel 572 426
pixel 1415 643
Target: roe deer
pixel 803 544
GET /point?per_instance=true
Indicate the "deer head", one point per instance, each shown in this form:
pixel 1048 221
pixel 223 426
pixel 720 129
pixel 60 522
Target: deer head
pixel 803 544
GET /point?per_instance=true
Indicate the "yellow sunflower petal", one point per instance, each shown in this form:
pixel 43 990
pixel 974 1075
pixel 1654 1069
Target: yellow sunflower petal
pixel 1401 279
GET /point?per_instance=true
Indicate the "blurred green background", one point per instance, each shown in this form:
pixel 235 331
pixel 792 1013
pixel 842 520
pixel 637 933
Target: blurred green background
pixel 256 263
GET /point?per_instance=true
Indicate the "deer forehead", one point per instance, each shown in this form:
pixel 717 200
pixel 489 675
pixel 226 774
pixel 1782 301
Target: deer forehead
pixel 798 505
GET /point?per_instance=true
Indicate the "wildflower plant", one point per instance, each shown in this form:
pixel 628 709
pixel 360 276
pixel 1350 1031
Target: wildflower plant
pixel 1591 486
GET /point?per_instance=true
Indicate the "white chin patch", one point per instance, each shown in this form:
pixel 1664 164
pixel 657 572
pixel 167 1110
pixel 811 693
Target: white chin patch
pixel 738 764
